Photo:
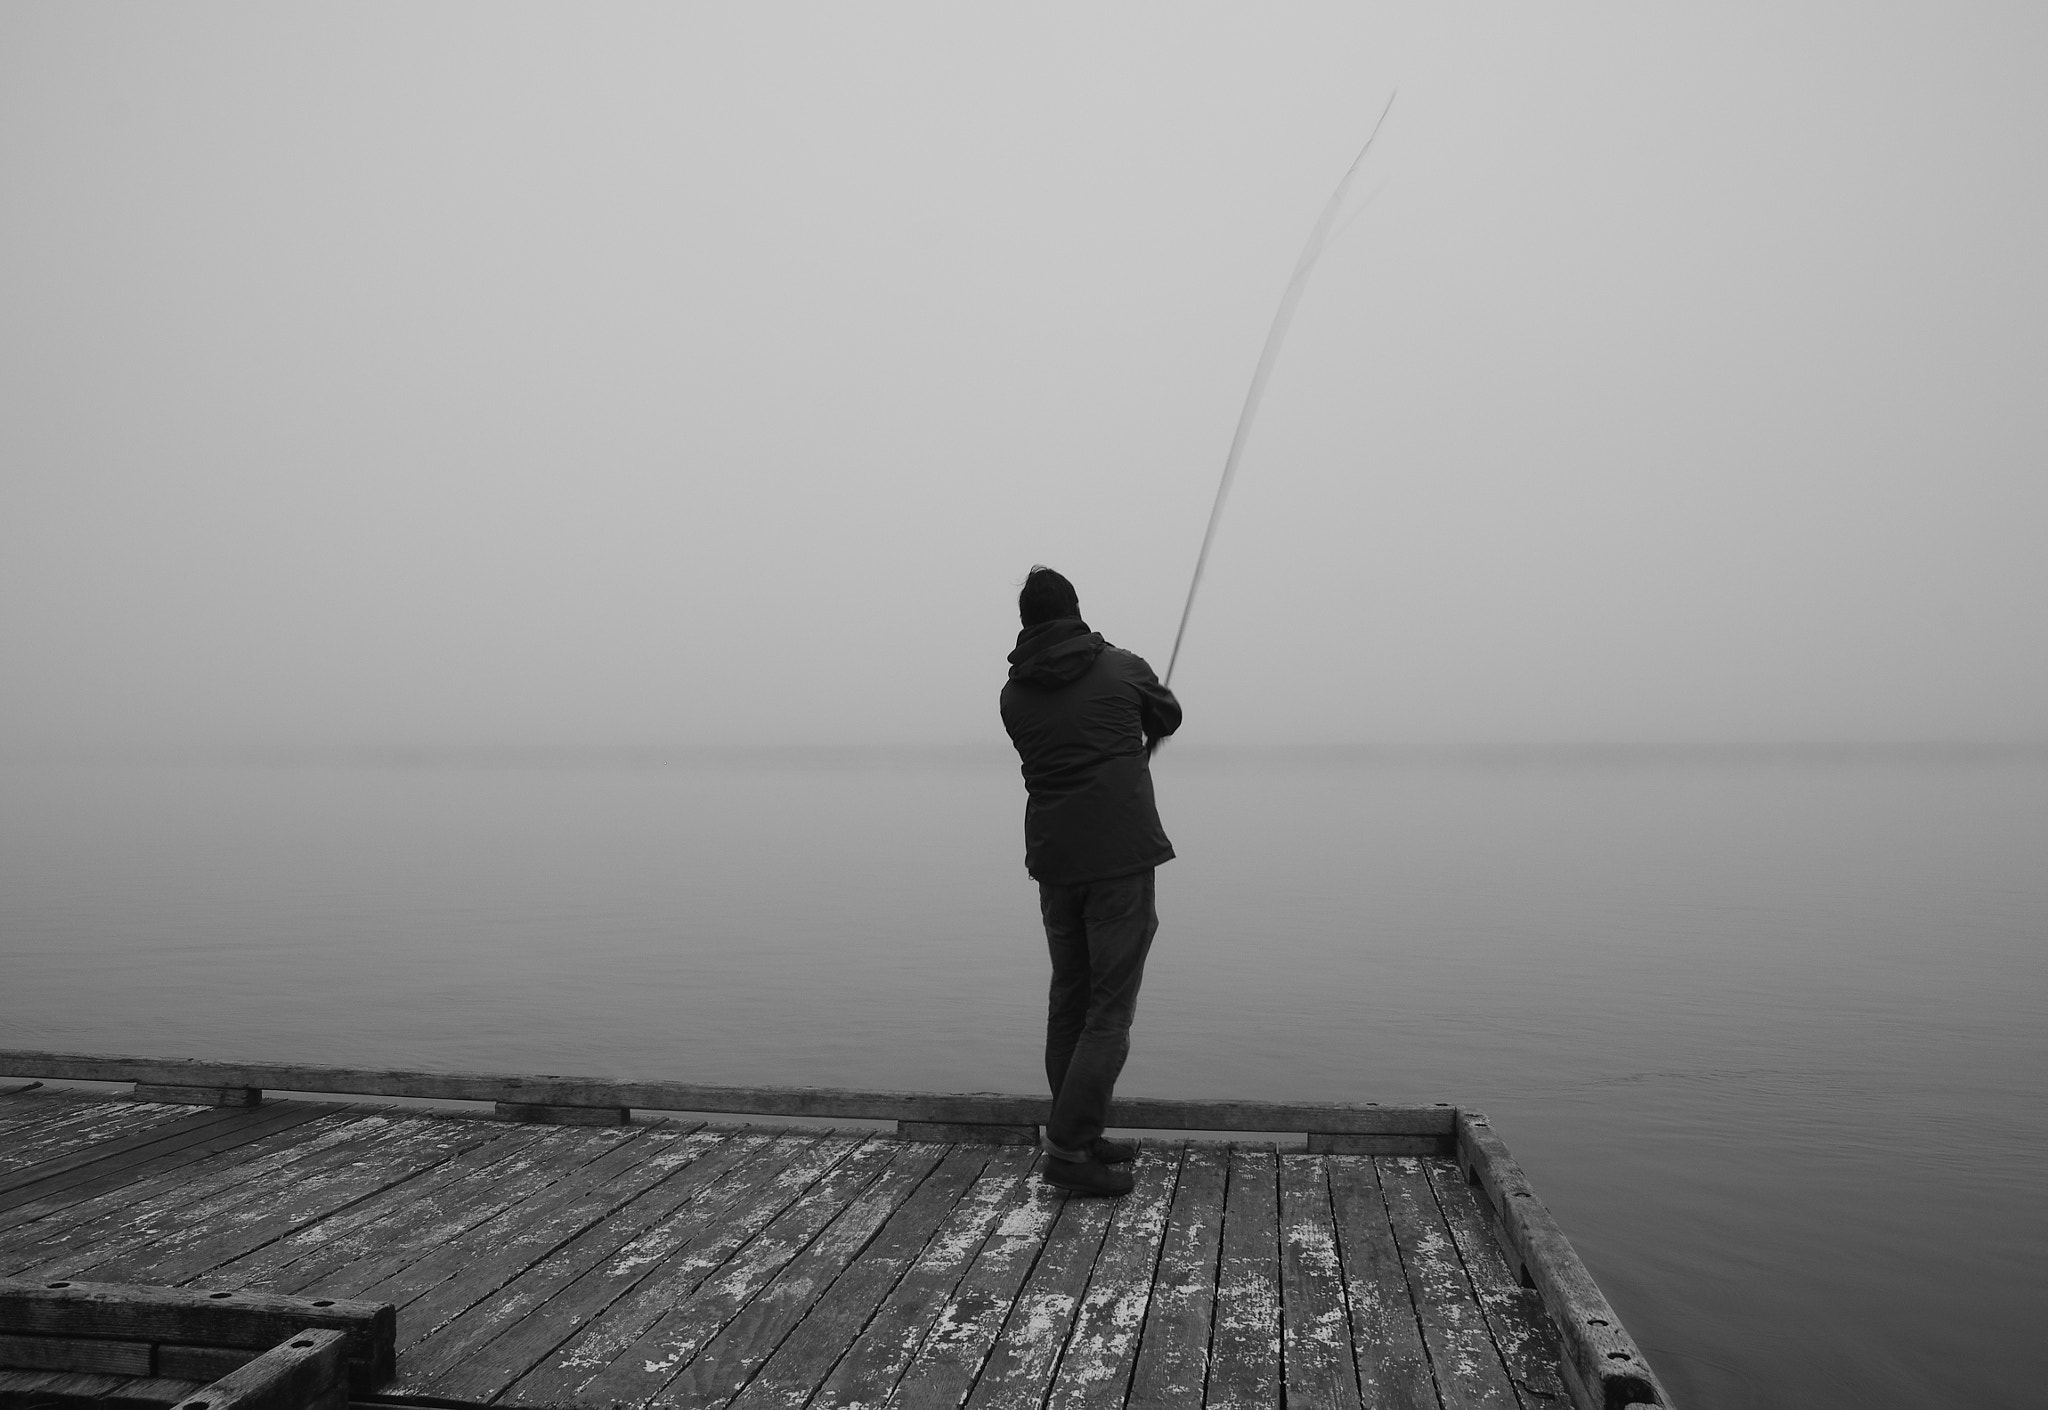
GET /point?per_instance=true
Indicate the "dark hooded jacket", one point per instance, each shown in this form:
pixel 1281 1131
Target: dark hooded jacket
pixel 1078 710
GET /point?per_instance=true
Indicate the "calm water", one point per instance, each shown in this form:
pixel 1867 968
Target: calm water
pixel 1767 1030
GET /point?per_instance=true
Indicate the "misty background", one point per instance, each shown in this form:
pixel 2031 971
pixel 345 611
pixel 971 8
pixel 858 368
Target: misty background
pixel 633 375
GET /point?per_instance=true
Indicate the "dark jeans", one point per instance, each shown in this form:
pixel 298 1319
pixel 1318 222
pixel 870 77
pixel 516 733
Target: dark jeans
pixel 1099 933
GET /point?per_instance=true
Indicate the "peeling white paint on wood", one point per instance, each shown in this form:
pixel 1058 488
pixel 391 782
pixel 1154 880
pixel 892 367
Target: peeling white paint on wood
pixel 590 1266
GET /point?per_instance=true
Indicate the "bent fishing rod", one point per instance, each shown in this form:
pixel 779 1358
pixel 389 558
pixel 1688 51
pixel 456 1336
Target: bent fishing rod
pixel 1318 241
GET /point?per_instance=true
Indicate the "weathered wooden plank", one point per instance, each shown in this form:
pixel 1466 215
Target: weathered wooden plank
pixel 201 1363
pixel 82 1390
pixel 535 1213
pixel 1393 1368
pixel 40 1124
pixel 1468 1369
pixel 1102 1347
pixel 554 1114
pixel 951 1355
pixel 970 1131
pixel 125 1152
pixel 1602 1363
pixel 132 1215
pixel 1339 1143
pixel 728 1360
pixel 873 1366
pixel 639 1373
pixel 184 1247
pixel 720 1228
pixel 473 1356
pixel 1173 1349
pixel 976 1107
pixel 194 1248
pixel 256 1321
pixel 303 1372
pixel 421 1222
pixel 192 1169
pixel 807 1355
pixel 22 1157
pixel 197 1096
pixel 1018 1370
pixel 113 1358
pixel 308 1256
pixel 1315 1326
pixel 35 1104
pixel 449 1302
pixel 1244 1350
pixel 1522 1331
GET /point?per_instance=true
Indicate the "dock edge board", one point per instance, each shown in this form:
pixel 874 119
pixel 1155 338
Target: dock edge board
pixel 1603 1367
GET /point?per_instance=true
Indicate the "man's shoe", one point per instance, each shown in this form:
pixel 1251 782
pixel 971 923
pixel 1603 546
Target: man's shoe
pixel 1113 1152
pixel 1084 1177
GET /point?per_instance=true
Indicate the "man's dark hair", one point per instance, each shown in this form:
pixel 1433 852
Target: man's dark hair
pixel 1047 596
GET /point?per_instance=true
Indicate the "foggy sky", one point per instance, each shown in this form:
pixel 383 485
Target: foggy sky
pixel 502 374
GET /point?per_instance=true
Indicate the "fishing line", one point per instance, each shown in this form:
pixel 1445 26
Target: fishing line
pixel 1318 241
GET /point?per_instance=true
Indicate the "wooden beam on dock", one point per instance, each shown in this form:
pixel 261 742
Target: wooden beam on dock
pixel 1435 1122
pixel 152 1320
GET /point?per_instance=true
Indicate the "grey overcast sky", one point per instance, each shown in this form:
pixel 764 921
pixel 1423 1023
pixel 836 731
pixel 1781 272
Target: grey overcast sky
pixel 667 374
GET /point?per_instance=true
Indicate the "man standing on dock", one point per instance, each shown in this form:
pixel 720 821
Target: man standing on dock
pixel 1084 715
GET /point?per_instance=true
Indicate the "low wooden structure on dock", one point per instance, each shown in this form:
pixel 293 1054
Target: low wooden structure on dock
pixel 590 1243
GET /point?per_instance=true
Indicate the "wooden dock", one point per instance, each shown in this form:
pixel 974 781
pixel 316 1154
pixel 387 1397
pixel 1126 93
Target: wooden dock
pixel 679 1262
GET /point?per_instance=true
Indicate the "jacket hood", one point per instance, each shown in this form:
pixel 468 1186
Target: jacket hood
pixel 1055 653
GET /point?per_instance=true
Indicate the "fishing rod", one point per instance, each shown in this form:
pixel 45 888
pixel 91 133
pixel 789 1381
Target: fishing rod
pixel 1318 241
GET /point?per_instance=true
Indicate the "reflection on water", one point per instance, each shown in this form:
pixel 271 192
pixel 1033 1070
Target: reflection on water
pixel 1766 1028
